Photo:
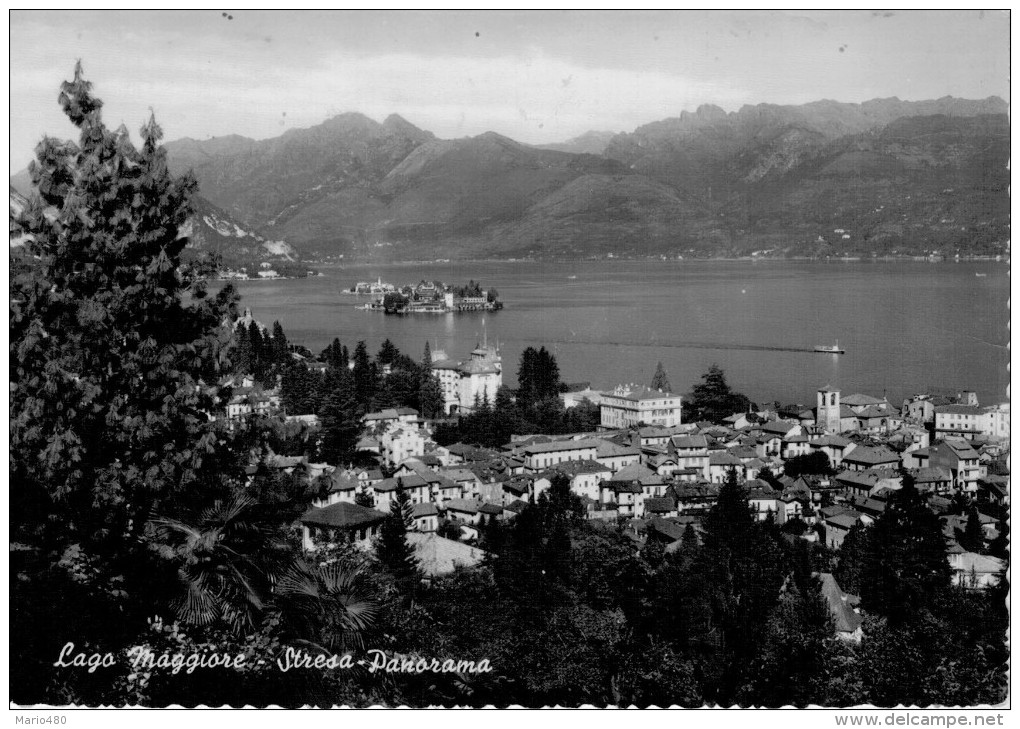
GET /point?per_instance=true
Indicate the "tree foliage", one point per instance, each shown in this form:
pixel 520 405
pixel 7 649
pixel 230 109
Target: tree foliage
pixel 905 567
pixel 660 381
pixel 712 399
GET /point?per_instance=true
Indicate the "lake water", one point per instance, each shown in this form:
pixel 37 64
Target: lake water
pixel 906 326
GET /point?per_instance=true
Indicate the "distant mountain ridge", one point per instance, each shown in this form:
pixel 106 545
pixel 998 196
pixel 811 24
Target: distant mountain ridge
pixel 897 177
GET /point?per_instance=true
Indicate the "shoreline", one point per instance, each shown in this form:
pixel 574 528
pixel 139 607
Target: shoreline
pixel 654 259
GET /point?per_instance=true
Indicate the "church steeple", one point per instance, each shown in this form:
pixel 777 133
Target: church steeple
pixel 827 410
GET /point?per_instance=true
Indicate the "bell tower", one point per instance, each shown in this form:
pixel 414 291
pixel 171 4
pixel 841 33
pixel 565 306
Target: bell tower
pixel 827 411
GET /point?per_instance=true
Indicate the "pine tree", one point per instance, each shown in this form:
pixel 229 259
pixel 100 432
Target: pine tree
pixel 115 346
pixel 689 541
pixel 851 558
pixel 296 390
pixel 712 399
pixel 110 331
pixel 281 352
pixel 729 523
pixel 973 537
pixel 335 355
pixel 659 380
pixel 905 567
pixel 547 375
pixel 366 379
pixel 527 384
pixel 392 548
pixel 341 421
pixel 430 393
pixel 387 353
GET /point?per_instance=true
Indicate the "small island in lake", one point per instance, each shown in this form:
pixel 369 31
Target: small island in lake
pixel 427 297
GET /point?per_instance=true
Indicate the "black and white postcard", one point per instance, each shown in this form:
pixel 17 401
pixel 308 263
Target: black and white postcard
pixel 510 359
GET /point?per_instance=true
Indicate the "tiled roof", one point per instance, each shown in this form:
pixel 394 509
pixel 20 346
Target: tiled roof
pixel 562 445
pixel 516 506
pixel 640 393
pixel 722 458
pixel 958 410
pixel 845 619
pixel 339 482
pixel 409 481
pixel 426 509
pixel 637 472
pixel 929 475
pixel 659 505
pixel 777 426
pixel 342 515
pixel 459 474
pixel 439 556
pixel 468 506
pixel 669 529
pixel 576 468
pixel 875 411
pixel 690 441
pixel 858 400
pixel 609 449
pixel 871 455
pixel 845 521
pixel 832 440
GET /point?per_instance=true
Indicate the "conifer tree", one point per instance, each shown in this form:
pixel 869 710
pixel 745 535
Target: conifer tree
pixel 110 332
pixel 281 352
pixel 365 376
pixel 341 420
pixel 430 394
pixel 973 537
pixel 115 347
pixel 659 380
pixel 906 567
pixel 387 353
pixel 392 548
pixel 713 399
pixel 851 558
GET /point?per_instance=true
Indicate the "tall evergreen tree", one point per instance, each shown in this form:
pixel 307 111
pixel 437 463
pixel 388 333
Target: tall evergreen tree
pixel 712 399
pixel 430 393
pixel 113 334
pixel 659 380
pixel 365 376
pixel 281 351
pixel 335 355
pixel 341 421
pixel 906 566
pixel 851 559
pixel 973 537
pixel 527 385
pixel 388 352
pixel 392 546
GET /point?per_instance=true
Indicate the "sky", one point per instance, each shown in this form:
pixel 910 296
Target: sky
pixel 536 76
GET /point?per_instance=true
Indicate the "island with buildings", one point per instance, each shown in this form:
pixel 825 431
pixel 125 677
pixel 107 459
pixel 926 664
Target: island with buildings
pixel 426 297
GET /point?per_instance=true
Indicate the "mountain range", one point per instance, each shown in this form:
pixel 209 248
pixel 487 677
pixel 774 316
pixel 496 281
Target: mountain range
pixel 885 177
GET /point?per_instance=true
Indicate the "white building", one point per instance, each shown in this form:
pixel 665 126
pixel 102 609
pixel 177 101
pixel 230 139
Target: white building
pixel 398 444
pixel 963 421
pixel 996 421
pixel 629 405
pixel 465 383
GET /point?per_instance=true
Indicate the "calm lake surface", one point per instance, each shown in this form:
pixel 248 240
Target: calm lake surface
pixel 906 326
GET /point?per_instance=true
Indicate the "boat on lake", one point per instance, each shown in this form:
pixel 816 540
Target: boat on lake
pixel 830 348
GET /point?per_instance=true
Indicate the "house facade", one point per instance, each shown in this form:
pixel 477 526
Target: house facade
pixel 629 405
